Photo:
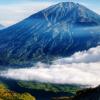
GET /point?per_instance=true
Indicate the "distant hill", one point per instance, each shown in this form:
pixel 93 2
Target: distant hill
pixel 57 31
pixel 1 26
pixel 86 94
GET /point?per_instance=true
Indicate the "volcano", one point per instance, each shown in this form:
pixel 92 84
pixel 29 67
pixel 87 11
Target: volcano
pixel 58 31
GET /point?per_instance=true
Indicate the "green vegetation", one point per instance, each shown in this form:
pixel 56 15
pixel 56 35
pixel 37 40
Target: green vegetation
pixel 85 94
pixel 62 98
pixel 49 87
pixel 6 94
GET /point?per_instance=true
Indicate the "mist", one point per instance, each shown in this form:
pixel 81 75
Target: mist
pixel 81 68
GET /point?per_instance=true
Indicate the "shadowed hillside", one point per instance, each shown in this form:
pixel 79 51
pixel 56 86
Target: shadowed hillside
pixel 86 94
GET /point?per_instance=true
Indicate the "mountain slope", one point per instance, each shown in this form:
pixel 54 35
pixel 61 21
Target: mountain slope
pixel 86 94
pixel 57 31
pixel 1 26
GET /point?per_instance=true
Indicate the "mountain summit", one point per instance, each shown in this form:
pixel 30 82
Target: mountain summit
pixel 71 12
pixel 57 31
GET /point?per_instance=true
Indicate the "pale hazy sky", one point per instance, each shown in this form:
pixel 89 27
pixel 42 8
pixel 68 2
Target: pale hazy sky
pixel 13 11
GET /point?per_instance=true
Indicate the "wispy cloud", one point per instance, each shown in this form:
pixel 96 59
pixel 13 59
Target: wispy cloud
pixel 11 14
pixel 81 68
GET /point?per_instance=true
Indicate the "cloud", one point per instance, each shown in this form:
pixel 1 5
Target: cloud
pixel 14 13
pixel 81 68
pixel 90 56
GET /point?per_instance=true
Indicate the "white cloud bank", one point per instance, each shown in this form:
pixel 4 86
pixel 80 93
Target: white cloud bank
pixel 81 68
pixel 90 56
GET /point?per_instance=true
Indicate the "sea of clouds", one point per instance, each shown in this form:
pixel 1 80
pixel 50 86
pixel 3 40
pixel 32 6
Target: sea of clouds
pixel 81 68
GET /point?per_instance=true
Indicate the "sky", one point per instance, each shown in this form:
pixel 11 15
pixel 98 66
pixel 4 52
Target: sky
pixel 13 11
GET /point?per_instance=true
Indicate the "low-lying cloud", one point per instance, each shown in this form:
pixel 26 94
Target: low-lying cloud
pixel 90 56
pixel 81 68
